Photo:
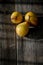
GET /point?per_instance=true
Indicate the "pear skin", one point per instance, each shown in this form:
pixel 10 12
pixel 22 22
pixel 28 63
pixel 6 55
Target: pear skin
pixel 22 29
pixel 16 17
pixel 31 17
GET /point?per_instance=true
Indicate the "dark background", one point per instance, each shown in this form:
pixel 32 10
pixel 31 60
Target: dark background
pixel 13 49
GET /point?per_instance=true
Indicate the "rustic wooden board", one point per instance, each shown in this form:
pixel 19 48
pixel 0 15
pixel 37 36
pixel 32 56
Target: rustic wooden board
pixel 29 50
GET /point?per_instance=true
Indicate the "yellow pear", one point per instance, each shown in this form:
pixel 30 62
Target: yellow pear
pixel 31 17
pixel 22 29
pixel 16 17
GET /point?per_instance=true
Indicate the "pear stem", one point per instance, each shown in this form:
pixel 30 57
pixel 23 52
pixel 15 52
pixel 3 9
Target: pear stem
pixel 14 18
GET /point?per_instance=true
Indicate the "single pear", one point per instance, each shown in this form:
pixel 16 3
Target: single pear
pixel 31 17
pixel 16 17
pixel 22 29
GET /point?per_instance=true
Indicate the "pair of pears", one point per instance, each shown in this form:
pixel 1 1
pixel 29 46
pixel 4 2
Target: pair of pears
pixel 22 29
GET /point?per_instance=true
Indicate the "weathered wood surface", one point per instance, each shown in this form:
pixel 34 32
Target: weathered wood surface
pixel 27 49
